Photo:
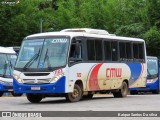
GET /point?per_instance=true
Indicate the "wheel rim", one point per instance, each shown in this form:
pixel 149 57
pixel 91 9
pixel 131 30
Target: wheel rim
pixel 75 93
pixel 124 89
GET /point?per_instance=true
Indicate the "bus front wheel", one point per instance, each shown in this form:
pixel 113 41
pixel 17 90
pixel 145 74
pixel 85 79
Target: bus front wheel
pixel 1 94
pixel 122 92
pixel 76 95
pixel 34 98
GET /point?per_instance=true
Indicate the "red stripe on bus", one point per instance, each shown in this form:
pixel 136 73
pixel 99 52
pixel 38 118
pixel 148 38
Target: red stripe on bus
pixel 93 80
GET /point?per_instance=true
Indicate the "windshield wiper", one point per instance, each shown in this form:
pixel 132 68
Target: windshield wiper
pixel 5 69
pixel 30 62
pixel 10 64
pixel 148 71
pixel 10 67
pixel 46 57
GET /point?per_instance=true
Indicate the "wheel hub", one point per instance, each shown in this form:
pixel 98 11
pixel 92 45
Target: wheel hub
pixel 75 93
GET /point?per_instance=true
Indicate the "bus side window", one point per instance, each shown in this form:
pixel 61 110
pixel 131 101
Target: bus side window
pixel 72 51
pixel 138 52
pixel 141 52
pixel 98 50
pixel 129 51
pixel 91 50
pixel 76 50
pixel 114 51
pixel 94 48
pixel 135 52
pixel 107 50
pixel 122 49
pixel 125 51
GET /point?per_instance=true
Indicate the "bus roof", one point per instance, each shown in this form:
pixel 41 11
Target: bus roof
pixel 7 50
pixel 86 32
pixel 15 48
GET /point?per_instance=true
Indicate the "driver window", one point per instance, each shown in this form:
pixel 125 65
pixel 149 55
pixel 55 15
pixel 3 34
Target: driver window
pixel 2 65
pixel 76 50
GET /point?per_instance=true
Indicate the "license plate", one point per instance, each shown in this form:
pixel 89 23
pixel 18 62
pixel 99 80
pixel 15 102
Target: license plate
pixel 10 89
pixel 35 88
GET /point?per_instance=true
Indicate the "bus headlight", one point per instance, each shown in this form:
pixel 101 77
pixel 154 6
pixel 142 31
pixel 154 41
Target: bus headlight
pixel 2 82
pixel 18 78
pixel 55 78
pixel 152 80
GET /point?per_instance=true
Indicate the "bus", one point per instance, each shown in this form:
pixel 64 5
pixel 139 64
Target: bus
pixel 77 63
pixel 7 61
pixel 152 84
pixel 15 48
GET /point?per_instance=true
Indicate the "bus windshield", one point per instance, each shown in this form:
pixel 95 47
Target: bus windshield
pixel 43 53
pixel 7 64
pixel 152 68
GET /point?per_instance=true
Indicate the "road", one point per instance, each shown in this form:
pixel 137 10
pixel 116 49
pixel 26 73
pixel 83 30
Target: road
pixel 98 103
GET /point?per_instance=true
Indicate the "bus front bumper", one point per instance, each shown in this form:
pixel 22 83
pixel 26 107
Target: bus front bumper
pixel 6 88
pixel 53 88
pixel 149 87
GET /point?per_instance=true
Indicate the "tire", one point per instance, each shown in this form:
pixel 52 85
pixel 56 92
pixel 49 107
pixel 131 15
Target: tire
pixel 134 92
pixel 76 95
pixel 89 96
pixel 122 92
pixel 34 98
pixel 1 94
pixel 155 91
pixel 16 94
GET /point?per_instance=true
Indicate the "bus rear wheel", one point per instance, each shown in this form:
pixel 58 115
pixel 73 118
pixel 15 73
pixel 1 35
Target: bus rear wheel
pixel 34 98
pixel 122 92
pixel 1 94
pixel 76 95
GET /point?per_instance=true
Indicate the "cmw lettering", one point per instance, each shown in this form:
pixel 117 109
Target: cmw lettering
pixel 59 40
pixel 113 72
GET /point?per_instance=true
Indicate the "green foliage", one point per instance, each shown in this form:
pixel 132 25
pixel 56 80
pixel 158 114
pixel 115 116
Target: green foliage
pixel 132 30
pixel 152 37
pixel 132 18
pixel 20 20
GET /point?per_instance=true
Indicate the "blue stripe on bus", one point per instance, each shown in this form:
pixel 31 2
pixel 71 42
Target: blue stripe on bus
pixel 136 69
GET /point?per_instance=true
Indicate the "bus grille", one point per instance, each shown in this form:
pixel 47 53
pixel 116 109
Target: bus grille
pixel 36 74
pixel 36 81
pixel 8 87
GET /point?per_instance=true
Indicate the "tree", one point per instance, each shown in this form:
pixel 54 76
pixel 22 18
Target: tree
pixel 22 19
pixel 152 37
pixel 122 17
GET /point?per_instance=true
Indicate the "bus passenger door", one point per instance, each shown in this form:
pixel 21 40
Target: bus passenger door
pixel 76 69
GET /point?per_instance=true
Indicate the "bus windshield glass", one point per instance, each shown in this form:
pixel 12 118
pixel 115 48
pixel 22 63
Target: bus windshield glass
pixel 43 53
pixel 7 64
pixel 152 68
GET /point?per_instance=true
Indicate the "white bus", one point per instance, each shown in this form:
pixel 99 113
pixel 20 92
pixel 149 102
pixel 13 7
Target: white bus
pixel 7 61
pixel 77 63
